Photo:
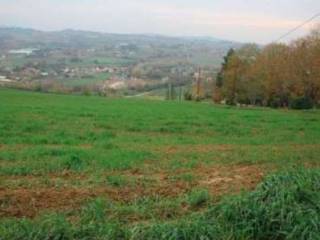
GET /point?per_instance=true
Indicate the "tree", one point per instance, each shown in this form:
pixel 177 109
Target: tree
pixel 250 89
pixel 274 69
pixel 233 75
pixel 279 75
pixel 220 76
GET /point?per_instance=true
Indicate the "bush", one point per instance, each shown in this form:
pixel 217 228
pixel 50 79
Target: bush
pixel 301 103
pixel 187 96
pixel 275 102
pixel 86 92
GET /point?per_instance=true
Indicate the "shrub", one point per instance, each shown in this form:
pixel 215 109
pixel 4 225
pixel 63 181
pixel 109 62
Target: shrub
pixel 275 102
pixel 301 103
pixel 86 92
pixel 187 96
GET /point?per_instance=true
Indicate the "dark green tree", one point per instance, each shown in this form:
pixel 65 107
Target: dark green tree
pixel 226 59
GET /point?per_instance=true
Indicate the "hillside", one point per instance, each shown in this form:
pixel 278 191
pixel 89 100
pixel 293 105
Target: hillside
pixel 80 61
pixel 15 38
pixel 78 167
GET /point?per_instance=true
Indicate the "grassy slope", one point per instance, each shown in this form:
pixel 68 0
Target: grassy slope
pixel 43 137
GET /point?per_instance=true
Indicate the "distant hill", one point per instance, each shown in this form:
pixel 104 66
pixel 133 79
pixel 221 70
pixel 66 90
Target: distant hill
pixel 198 48
pixel 23 37
pixel 72 60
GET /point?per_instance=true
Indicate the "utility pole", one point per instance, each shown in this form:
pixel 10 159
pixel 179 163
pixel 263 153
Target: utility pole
pixel 169 93
pixel 198 82
pixel 180 83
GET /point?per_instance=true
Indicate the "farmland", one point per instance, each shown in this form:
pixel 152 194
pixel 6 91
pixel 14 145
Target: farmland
pixel 76 167
pixel 83 61
pixel 85 80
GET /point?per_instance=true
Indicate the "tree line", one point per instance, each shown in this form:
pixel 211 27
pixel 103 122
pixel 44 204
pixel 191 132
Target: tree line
pixel 276 75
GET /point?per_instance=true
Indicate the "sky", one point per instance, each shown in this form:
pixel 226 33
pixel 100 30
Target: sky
pixel 260 21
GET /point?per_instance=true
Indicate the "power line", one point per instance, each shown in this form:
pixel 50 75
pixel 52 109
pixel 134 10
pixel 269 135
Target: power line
pixel 299 26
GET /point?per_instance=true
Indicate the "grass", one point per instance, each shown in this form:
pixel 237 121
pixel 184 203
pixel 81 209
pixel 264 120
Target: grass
pixel 75 167
pixel 105 61
pixel 198 198
pixel 284 206
pixel 87 81
pixel 13 61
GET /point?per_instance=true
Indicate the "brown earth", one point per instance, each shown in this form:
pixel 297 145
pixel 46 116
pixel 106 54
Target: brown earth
pixel 219 180
pixel 232 179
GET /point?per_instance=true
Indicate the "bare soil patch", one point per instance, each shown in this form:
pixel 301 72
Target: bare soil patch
pixel 233 179
pixel 200 148
pixel 28 202
pixel 219 180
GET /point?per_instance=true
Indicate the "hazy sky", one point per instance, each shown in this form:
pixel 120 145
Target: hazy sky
pixel 243 20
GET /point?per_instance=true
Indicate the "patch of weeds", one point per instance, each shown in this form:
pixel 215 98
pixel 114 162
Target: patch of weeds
pixel 198 198
pixel 56 152
pixel 156 207
pixel 7 155
pixel 134 129
pixel 106 135
pixel 122 159
pixel 170 129
pixel 17 170
pixel 46 181
pixel 105 145
pixel 94 211
pixel 51 226
pixel 117 181
pixel 75 162
pixel 32 127
pixel 167 209
pixel 185 163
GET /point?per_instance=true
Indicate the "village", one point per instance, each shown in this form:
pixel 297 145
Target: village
pixel 97 71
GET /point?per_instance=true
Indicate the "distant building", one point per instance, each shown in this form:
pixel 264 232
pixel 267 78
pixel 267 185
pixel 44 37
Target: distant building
pixel 44 74
pixel 4 79
pixel 29 73
pixel 24 51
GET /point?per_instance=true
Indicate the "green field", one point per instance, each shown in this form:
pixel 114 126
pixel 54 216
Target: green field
pixel 75 167
pixel 86 81
pixel 109 61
